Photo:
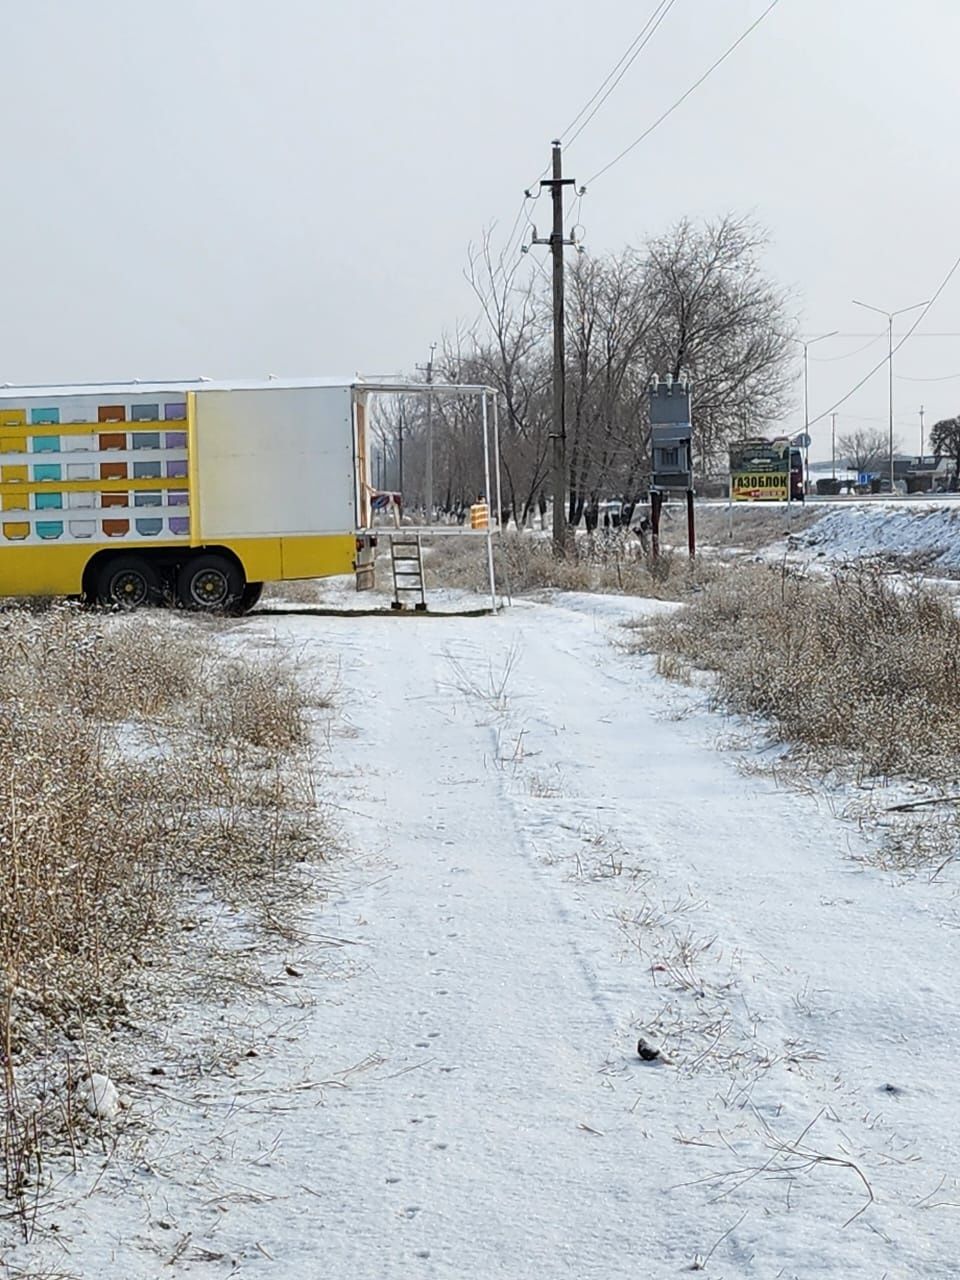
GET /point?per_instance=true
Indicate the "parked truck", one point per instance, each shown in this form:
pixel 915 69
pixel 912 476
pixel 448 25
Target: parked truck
pixel 193 493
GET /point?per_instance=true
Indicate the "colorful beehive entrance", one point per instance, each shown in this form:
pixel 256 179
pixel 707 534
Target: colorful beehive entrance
pixel 94 458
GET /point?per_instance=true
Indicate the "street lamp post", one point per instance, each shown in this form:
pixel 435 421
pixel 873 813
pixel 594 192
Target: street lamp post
pixel 808 342
pixel 890 317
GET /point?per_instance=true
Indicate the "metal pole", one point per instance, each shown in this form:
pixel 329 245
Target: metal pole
pixel 496 462
pixel 890 317
pixel 486 473
pixel 805 343
pixel 921 435
pixel 496 456
pixel 806 420
pixel 400 449
pixel 890 371
pixel 691 529
pixel 730 506
pixel 428 486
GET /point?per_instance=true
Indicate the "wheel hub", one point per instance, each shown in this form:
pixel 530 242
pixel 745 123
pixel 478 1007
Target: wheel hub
pixel 129 589
pixel 210 587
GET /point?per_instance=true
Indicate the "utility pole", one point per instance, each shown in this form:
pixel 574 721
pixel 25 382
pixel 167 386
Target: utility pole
pixel 921 435
pixel 559 434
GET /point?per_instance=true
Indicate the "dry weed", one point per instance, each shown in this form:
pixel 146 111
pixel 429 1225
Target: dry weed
pixel 862 664
pixel 857 672
pixel 610 561
pixel 138 770
pixel 749 526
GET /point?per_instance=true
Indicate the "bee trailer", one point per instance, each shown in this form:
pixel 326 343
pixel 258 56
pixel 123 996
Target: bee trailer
pixel 194 492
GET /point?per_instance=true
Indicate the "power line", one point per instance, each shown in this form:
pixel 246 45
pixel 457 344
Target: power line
pixel 840 334
pixel 684 96
pixel 637 45
pixel 877 367
pixel 630 55
pixel 947 377
pixel 848 355
pixel 603 84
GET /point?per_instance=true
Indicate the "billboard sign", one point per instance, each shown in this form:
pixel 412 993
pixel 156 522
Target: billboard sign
pixel 760 470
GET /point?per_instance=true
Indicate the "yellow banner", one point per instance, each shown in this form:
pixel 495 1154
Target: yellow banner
pixel 759 486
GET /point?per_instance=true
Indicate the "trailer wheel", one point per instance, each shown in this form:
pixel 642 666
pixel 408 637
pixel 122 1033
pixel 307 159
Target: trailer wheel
pixel 127 582
pixel 209 583
pixel 249 597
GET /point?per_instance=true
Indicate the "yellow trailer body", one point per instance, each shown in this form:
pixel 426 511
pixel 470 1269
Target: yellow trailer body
pixel 266 478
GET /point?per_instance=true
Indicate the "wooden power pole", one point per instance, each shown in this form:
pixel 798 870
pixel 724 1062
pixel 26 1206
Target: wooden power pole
pixel 558 435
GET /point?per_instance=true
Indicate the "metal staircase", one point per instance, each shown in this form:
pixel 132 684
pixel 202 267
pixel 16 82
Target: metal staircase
pixel 406 561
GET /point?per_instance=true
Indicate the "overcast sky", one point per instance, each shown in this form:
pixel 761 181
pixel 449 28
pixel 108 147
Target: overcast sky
pixel 235 187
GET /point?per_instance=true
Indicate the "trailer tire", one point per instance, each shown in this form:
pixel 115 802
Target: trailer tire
pixel 249 597
pixel 210 584
pixel 127 582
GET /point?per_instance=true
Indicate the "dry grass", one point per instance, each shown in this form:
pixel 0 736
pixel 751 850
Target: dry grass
pixel 306 591
pixel 753 526
pixel 138 768
pixel 864 663
pixel 612 562
pixel 859 672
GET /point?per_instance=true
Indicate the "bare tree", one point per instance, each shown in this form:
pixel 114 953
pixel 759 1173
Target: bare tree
pixel 607 324
pixel 515 360
pixel 693 302
pixel 945 441
pixel 864 449
pixel 719 321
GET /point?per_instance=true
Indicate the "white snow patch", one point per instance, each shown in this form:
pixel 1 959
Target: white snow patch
pixel 99 1096
pixel 540 881
pixel 888 528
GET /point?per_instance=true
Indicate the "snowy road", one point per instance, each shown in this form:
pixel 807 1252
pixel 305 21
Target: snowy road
pixel 551 852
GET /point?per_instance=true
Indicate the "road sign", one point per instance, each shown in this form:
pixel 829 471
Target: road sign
pixel 760 471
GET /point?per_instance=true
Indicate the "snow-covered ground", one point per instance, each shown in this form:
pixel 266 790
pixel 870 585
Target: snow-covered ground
pixel 550 852
pixel 894 529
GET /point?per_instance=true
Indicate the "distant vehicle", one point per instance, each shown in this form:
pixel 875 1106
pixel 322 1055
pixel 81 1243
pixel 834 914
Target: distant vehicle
pixel 796 476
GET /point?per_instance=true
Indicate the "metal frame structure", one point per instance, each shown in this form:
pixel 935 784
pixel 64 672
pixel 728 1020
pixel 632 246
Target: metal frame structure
pixel 490 425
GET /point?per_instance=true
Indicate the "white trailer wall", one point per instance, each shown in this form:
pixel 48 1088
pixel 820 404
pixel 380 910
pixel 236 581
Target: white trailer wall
pixel 275 462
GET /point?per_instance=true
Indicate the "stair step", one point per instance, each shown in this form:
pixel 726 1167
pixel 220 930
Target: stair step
pixel 406 556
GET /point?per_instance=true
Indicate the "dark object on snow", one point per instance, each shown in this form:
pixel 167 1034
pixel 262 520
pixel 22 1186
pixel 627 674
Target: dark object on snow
pixel 647 1050
pixel 892 1088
